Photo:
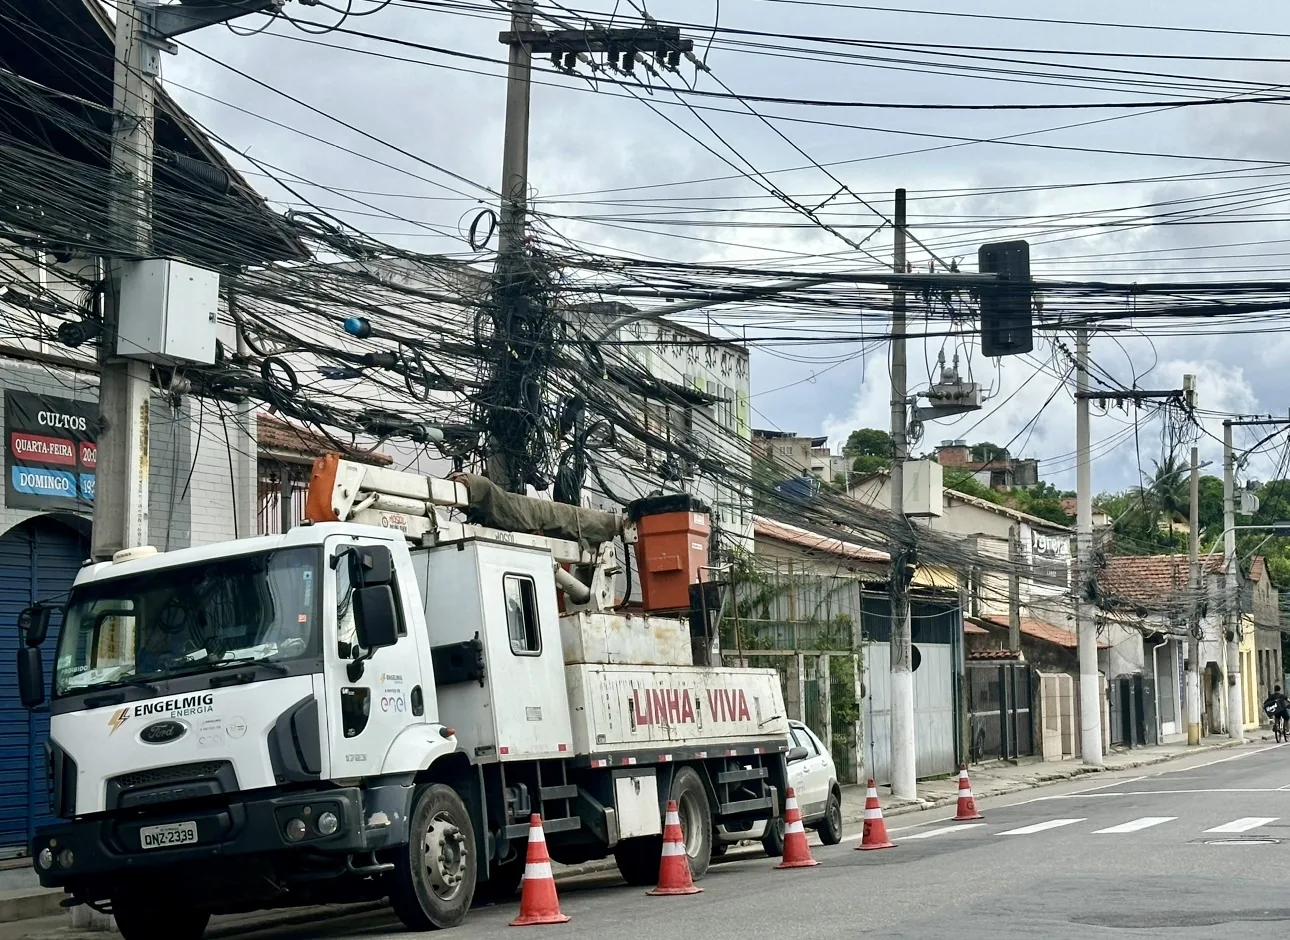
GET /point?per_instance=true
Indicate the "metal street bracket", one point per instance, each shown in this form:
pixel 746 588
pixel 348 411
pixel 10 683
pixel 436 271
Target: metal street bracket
pixel 165 21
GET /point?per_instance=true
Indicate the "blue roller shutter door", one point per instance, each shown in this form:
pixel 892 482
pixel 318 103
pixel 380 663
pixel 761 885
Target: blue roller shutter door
pixel 38 561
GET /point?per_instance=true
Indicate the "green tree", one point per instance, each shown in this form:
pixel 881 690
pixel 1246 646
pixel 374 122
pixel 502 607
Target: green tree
pixel 1043 500
pixel 986 451
pixel 869 442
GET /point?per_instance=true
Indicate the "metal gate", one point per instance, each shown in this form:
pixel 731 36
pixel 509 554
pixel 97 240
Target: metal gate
pixel 933 709
pixel 999 711
pixel 38 561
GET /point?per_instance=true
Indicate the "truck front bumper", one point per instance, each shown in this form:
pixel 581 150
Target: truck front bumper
pixel 68 853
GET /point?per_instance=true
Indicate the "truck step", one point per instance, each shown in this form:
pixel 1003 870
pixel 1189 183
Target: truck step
pixel 521 830
pixel 561 792
pixel 743 807
pixel 734 776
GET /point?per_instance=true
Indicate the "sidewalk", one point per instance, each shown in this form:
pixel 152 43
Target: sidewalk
pixel 21 899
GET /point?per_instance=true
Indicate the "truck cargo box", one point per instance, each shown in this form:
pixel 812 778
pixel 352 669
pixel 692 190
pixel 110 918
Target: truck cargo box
pixel 625 707
pixel 624 639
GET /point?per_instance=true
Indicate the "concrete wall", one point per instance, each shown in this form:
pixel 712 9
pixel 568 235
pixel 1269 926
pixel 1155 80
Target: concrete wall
pixel 192 491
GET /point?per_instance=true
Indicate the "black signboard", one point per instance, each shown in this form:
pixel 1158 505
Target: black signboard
pixel 50 452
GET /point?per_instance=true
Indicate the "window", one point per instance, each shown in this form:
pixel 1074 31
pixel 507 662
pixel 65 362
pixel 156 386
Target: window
pixel 522 615
pixel 190 619
pixel 803 738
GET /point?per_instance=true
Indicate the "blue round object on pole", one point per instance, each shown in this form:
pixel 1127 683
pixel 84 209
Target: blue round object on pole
pixel 358 326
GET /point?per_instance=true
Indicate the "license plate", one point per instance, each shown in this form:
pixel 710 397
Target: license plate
pixel 168 836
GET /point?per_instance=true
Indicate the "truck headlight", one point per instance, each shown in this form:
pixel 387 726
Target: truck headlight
pixel 66 859
pixel 328 824
pixel 45 859
pixel 295 830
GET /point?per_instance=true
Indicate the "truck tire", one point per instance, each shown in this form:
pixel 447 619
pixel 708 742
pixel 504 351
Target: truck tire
pixel 638 860
pixel 773 839
pixel 151 918
pixel 830 828
pixel 696 819
pixel 433 882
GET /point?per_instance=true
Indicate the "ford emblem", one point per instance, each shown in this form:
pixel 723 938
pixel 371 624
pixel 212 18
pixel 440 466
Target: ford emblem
pixel 162 732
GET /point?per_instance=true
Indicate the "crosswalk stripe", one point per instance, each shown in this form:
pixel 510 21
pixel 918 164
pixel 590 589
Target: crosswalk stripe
pixel 1244 824
pixel 1146 822
pixel 927 834
pixel 1040 827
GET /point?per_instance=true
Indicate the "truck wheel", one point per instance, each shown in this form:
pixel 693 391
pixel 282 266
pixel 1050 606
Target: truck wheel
pixel 638 860
pixel 433 881
pixel 154 919
pixel 830 828
pixel 773 839
pixel 696 819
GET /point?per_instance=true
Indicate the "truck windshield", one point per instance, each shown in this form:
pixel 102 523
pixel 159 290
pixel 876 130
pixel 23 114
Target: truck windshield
pixel 190 619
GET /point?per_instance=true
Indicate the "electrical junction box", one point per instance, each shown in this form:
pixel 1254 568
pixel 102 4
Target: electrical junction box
pixel 924 488
pixel 168 312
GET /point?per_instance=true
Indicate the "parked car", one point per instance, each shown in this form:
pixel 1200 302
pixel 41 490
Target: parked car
pixel 814 779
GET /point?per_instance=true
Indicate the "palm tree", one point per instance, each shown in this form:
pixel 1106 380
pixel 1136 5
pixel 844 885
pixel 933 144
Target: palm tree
pixel 1166 500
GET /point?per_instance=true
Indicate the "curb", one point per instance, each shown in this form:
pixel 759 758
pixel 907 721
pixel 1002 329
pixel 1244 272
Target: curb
pixel 28 904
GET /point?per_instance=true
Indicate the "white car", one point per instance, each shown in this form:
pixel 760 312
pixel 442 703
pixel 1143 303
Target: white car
pixel 814 780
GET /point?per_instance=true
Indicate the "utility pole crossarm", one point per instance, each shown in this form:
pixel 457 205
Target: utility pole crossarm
pixel 1134 394
pixel 639 39
pixel 175 19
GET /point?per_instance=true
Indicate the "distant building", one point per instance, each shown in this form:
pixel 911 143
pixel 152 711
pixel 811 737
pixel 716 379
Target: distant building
pixel 1004 473
pixel 1101 518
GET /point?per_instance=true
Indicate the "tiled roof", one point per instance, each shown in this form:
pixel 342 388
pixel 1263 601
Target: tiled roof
pixel 1039 630
pixel 1258 568
pixel 783 532
pixel 1150 578
pixel 971 628
pixel 992 654
pixel 274 434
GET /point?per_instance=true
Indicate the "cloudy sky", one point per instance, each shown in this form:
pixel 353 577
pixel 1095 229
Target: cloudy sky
pixel 401 136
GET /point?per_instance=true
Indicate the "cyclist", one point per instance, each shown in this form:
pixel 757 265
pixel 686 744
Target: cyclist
pixel 1277 707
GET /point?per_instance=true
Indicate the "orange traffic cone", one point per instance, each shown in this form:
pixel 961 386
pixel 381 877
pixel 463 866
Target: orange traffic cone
pixel 875 830
pixel 538 901
pixel 797 854
pixel 674 867
pixel 967 805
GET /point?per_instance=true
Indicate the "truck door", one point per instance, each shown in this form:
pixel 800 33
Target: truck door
pixel 368 704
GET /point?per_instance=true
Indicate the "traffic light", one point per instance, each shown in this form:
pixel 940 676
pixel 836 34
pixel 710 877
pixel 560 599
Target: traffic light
pixel 1006 326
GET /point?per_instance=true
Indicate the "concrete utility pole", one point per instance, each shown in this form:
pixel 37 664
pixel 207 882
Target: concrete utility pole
pixel 904 774
pixel 1090 692
pixel 1014 588
pixel 1193 622
pixel 143 32
pixel 121 490
pixel 1231 578
pixel 515 145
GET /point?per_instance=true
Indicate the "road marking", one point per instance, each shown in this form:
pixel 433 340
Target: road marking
pixel 1040 827
pixel 1146 822
pixel 940 832
pixel 1244 824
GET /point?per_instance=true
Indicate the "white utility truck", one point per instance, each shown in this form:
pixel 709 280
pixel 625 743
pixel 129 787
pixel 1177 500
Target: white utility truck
pixel 372 705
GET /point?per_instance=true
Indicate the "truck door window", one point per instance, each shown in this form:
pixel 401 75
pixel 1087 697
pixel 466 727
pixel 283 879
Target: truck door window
pixel 522 615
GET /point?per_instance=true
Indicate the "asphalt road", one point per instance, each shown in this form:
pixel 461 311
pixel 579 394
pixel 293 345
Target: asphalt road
pixel 1200 848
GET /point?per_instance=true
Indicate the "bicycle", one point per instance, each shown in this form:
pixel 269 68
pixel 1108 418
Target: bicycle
pixel 1280 724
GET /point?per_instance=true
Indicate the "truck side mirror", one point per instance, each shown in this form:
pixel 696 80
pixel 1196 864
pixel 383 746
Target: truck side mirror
pixel 374 564
pixel 376 618
pixel 31 676
pixel 796 753
pixel 33 624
